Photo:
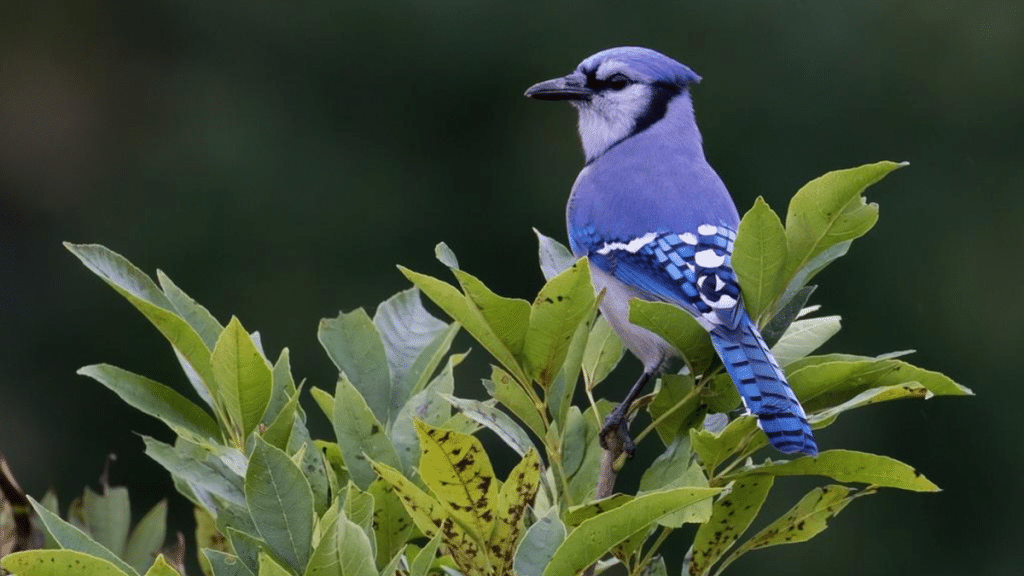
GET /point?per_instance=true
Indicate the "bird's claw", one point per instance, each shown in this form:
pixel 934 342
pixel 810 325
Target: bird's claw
pixel 617 425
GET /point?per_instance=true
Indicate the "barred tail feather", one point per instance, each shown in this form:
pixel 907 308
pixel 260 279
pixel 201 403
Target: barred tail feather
pixel 763 387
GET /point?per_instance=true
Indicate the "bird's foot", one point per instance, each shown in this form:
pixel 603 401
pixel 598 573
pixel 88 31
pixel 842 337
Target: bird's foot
pixel 616 431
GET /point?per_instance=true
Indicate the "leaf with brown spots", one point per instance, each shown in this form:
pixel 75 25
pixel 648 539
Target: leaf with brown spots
pixel 391 523
pixel 425 511
pixel 731 515
pixel 516 494
pixel 804 521
pixel 58 563
pixel 360 435
pixel 847 466
pixel 560 306
pixel 458 472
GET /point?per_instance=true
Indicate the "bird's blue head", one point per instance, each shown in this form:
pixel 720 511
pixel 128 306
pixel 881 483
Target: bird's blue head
pixel 619 92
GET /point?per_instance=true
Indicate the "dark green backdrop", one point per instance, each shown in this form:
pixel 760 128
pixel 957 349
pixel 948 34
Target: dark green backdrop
pixel 278 159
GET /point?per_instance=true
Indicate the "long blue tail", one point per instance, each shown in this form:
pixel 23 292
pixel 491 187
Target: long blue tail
pixel 763 387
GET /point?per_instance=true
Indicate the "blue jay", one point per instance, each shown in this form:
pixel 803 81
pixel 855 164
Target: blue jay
pixel 657 223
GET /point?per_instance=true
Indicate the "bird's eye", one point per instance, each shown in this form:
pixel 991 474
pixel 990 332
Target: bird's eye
pixel 618 81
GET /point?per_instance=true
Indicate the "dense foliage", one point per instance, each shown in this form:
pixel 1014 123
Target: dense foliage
pixel 405 486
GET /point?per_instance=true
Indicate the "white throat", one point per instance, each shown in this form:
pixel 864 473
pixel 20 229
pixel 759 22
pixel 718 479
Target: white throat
pixel 608 118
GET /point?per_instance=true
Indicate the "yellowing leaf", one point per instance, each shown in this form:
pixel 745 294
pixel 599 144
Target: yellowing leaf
pixel 58 563
pixel 458 472
pixel 425 511
pixel 731 515
pixel 516 494
pixel 804 521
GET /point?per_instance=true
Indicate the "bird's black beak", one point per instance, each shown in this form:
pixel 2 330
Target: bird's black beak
pixel 571 87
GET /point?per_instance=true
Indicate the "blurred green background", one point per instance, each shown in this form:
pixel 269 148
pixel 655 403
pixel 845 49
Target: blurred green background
pixel 278 159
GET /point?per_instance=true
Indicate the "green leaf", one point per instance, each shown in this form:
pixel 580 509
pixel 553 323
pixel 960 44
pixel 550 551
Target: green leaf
pixel 507 317
pixel 72 538
pixel 244 379
pixel 672 390
pixel 678 328
pixel 656 567
pixel 789 307
pixel 759 257
pixel 555 258
pixel 312 463
pixel 195 314
pixel 421 565
pixel 445 255
pixel 355 346
pixel 731 515
pixel 107 517
pixel 391 568
pixel 673 469
pixel 430 358
pixel 224 564
pixel 283 387
pixel 581 444
pixel 465 312
pixel 563 388
pixel 160 567
pixel 427 405
pixel 873 396
pixel 198 466
pixel 391 524
pixel 539 544
pixel 831 382
pixel 157 400
pixel 359 434
pixel 804 337
pixel 279 431
pixel 804 521
pixel 713 449
pixel 560 306
pixel 603 352
pixel 281 503
pixel 456 469
pixel 147 538
pixel 847 466
pixel 58 563
pixel 207 536
pixel 407 330
pixel 146 297
pixel 358 508
pixel 270 567
pixel 495 420
pixel 830 210
pixel 597 536
pixel 247 548
pixel 511 394
pixel 325 401
pixel 576 515
pixel 720 394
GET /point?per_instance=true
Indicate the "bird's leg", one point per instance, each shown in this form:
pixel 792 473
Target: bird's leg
pixel 618 421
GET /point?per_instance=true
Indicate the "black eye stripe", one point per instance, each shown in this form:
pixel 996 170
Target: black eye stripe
pixel 616 81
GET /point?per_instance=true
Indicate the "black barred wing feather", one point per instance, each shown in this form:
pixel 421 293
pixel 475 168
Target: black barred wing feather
pixel 689 269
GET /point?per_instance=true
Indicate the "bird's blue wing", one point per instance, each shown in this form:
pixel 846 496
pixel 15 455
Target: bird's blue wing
pixel 691 269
